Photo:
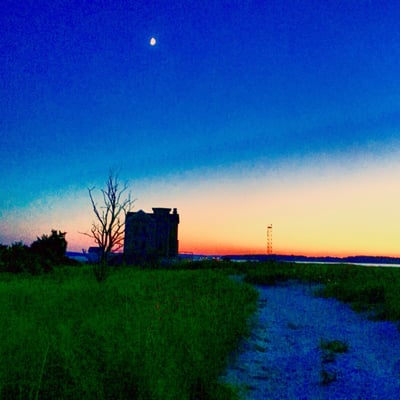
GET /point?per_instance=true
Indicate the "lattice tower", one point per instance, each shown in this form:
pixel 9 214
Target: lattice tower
pixel 269 239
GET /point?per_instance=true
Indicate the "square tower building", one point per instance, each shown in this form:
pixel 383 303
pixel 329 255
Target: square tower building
pixel 151 235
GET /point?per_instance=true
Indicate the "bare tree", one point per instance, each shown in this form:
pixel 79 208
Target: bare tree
pixel 108 230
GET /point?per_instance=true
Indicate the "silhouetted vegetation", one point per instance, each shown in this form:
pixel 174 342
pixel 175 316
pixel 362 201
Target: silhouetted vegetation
pixel 50 249
pixel 19 258
pixel 109 226
pixel 40 257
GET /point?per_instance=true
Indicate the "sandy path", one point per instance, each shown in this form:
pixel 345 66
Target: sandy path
pixel 282 358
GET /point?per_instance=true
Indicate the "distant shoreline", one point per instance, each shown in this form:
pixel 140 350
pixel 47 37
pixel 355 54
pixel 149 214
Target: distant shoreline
pixel 361 260
pixel 382 264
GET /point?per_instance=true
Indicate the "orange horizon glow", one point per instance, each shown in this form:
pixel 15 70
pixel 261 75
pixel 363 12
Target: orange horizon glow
pixel 227 249
pixel 222 250
pixel 235 250
pixel 322 209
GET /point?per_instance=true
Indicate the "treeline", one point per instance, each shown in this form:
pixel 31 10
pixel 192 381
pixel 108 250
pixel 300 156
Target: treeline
pixel 40 257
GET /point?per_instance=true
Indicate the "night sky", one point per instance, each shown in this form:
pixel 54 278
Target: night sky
pixel 244 114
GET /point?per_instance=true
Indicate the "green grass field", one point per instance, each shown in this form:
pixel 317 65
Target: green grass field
pixel 151 334
pixel 138 335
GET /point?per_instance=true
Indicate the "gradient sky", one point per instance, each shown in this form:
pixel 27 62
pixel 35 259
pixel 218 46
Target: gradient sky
pixel 245 113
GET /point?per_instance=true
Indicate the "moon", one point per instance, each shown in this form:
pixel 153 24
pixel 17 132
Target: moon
pixel 153 41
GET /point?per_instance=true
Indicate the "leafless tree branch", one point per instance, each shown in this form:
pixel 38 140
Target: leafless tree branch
pixel 108 229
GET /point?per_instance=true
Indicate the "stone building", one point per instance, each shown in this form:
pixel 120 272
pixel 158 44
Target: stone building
pixel 149 236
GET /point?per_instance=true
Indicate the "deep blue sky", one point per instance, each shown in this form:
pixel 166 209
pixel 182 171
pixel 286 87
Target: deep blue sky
pixel 228 82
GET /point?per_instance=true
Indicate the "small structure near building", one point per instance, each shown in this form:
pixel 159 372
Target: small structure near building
pixel 93 254
pixel 151 236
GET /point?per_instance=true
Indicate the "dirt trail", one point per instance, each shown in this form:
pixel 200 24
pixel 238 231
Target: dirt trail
pixel 282 359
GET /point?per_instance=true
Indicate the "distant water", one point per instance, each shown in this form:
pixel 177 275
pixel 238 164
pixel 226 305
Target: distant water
pixel 351 263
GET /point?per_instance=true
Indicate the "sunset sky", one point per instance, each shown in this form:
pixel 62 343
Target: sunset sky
pixel 244 114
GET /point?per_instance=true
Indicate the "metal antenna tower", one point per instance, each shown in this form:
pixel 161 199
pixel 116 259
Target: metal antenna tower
pixel 269 239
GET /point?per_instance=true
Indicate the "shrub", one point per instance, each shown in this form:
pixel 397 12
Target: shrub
pixel 330 348
pixel 3 252
pixel 328 377
pixel 51 249
pixel 334 346
pixel 18 258
pixel 44 253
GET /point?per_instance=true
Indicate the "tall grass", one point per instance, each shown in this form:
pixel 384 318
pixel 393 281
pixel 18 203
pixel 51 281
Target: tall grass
pixel 138 335
pixel 374 289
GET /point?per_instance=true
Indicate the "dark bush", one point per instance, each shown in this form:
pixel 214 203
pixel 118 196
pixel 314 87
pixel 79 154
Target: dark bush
pixel 43 254
pixel 50 249
pixel 19 258
pixel 3 252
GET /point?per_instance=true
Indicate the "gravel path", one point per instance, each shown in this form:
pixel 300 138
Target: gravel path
pixel 282 359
